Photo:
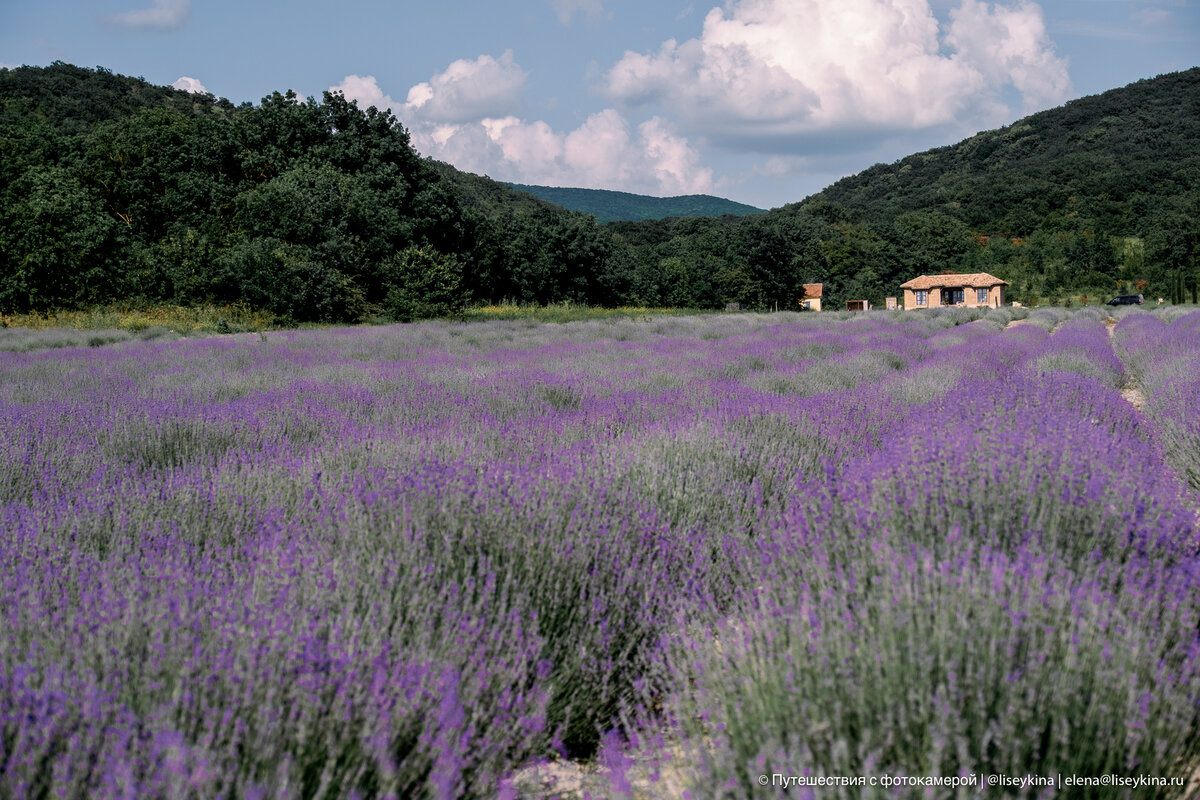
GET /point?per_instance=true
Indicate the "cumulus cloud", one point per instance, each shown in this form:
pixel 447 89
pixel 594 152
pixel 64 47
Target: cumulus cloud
pixel 460 117
pixel 469 90
pixel 162 14
pixel 192 85
pixel 365 89
pixel 763 71
pixel 605 152
pixel 1010 45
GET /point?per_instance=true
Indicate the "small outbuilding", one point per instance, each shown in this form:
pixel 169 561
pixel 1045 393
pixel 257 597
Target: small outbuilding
pixel 812 296
pixel 858 305
pixel 973 290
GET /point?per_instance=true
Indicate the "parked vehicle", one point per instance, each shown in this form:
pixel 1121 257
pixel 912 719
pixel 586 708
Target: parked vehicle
pixel 1125 300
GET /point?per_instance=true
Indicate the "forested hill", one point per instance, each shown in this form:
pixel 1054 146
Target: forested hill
pixel 1101 195
pixel 609 206
pixel 112 189
pixel 1109 159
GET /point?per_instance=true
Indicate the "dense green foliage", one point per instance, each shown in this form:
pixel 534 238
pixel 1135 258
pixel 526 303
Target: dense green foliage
pixel 1101 195
pixel 1098 197
pixel 114 190
pixel 609 206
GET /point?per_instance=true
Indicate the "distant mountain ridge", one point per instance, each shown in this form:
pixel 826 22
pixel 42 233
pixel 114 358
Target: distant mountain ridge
pixel 607 205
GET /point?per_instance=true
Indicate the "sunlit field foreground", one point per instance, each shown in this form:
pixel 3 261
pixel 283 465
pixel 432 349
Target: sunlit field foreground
pixel 682 552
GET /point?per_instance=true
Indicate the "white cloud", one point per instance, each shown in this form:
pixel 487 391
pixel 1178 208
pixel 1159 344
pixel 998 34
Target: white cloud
pixel 470 90
pixel 767 70
pixel 164 14
pixel 1010 45
pixel 602 153
pixel 591 10
pixel 366 91
pixel 449 118
pixel 675 164
pixel 192 85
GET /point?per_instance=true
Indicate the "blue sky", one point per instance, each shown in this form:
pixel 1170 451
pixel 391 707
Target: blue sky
pixel 761 101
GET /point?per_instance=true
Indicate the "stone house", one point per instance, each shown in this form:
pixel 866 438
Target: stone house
pixel 973 290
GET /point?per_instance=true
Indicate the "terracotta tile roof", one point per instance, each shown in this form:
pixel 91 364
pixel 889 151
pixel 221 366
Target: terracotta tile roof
pixel 812 291
pixel 973 280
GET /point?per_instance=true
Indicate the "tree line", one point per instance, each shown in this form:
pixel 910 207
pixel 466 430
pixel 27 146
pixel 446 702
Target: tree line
pixel 112 189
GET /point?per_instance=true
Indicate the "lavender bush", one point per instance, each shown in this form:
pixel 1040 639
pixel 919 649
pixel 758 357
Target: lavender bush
pixel 1165 359
pixel 407 561
pixel 916 620
pixel 876 660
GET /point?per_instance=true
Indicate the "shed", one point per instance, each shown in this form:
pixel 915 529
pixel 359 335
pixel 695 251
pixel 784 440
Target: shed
pixel 812 296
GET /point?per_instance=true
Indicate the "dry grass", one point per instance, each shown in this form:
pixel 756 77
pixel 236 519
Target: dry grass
pixel 134 318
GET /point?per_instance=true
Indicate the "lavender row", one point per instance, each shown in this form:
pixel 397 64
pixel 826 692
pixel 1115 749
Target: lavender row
pixel 1007 586
pixel 1165 358
pixel 406 561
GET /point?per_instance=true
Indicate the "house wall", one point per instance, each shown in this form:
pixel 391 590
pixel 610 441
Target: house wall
pixel 933 299
pixel 995 298
pixel 813 305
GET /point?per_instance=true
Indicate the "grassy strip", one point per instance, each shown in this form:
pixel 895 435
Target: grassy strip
pixel 569 312
pixel 236 318
pixel 239 318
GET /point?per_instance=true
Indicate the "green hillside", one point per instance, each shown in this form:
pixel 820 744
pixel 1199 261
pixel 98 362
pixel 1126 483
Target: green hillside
pixel 1101 194
pixel 1103 157
pixel 609 206
pixel 115 190
pixel 1097 197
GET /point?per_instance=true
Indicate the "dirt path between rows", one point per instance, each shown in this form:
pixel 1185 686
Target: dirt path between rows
pixel 659 776
pixel 1131 391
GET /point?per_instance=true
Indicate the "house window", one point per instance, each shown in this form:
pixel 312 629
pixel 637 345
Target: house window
pixel 952 297
pixel 981 296
pixel 922 297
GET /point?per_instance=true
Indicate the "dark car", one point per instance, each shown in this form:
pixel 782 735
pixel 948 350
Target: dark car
pixel 1125 300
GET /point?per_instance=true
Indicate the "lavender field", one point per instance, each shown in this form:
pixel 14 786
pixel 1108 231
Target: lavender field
pixel 679 552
